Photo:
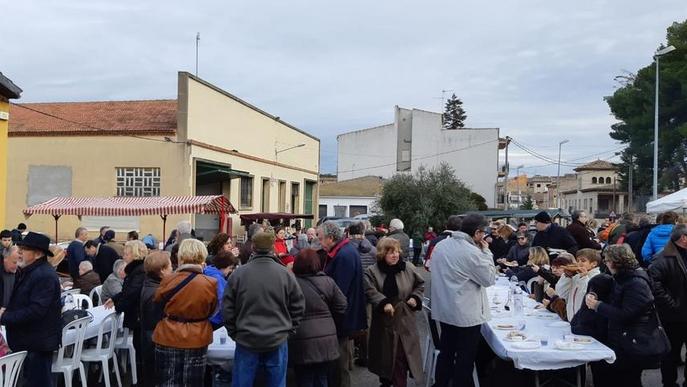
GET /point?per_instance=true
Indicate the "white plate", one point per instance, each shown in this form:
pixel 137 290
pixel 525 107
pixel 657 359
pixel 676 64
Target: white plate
pixel 580 339
pixel 568 345
pixel 527 345
pixel 559 324
pixel 520 337
pixel 505 327
pixel 548 316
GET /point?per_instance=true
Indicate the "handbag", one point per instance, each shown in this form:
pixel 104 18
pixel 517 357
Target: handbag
pixel 646 340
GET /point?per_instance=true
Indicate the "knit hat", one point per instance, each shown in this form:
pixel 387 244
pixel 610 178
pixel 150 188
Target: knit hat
pixel 263 241
pixel 543 217
pixel 396 224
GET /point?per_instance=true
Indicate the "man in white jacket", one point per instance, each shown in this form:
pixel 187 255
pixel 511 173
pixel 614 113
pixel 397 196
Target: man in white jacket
pixel 462 268
pixel 574 289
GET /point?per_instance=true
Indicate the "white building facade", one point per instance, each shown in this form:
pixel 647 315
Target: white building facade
pixel 417 139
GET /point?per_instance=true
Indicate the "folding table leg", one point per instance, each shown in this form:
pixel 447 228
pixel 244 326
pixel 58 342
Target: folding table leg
pixel 579 374
pixel 536 378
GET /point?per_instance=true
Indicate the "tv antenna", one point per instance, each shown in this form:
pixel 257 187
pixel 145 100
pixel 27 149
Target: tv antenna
pixel 197 42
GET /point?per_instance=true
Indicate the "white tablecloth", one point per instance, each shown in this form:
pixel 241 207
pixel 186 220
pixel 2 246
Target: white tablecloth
pixel 99 313
pixel 221 354
pixel 544 358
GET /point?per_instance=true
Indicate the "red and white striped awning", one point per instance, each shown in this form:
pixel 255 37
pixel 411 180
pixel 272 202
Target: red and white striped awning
pixel 132 206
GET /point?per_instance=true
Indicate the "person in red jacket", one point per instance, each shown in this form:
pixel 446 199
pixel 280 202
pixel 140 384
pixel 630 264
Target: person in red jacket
pixel 280 248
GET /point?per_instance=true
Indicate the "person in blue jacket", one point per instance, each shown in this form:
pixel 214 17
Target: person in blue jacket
pixel 344 265
pixel 659 236
pixel 223 264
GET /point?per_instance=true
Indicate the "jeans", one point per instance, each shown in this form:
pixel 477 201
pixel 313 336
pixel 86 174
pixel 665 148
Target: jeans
pixel 458 346
pixel 312 375
pixel 247 363
pixel 37 369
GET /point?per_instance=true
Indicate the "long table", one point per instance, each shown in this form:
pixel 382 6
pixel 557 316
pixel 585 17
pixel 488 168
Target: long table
pixel 220 351
pixel 537 324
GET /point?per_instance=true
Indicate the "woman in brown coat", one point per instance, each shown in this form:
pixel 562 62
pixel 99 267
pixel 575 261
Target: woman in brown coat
pixel 395 291
pixel 182 336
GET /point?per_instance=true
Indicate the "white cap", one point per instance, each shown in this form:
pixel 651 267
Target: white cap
pixel 396 224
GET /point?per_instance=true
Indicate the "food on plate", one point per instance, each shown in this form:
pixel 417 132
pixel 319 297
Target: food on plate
pixel 515 336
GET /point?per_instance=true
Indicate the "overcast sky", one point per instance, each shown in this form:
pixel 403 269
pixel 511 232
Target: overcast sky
pixel 536 69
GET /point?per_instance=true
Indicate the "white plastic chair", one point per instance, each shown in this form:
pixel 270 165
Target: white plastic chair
pixel 10 367
pixel 125 342
pixel 104 350
pixel 68 364
pixel 79 299
pixel 96 291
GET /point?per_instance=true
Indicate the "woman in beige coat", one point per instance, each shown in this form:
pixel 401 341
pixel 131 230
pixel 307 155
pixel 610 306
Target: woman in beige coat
pixel 395 290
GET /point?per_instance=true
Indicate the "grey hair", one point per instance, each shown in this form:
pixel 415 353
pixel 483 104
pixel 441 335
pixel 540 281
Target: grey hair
pixel 117 266
pixel 332 230
pixel 10 251
pixel 79 231
pixel 254 229
pixel 184 227
pixel 86 265
pixel 678 231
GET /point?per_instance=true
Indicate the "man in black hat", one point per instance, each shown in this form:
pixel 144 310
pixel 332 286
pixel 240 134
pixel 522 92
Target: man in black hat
pixel 551 235
pixel 33 317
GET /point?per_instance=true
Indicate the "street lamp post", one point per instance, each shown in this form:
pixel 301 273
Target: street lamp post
pixel 660 52
pixel 558 175
pixel 517 169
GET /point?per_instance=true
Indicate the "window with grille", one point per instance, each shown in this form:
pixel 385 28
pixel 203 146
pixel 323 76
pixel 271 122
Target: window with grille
pixel 138 181
pixel 246 192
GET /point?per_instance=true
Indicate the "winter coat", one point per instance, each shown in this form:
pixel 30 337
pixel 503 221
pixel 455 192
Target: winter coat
pixel 104 261
pixel 129 299
pixel 386 331
pixel 33 316
pixel 117 247
pixel 669 274
pixel 345 267
pixel 589 323
pixel 371 237
pixel 637 238
pixel 519 254
pixel 87 282
pixel 631 302
pixel 368 253
pixel 555 237
pixel 111 287
pixel 215 273
pixel 523 273
pixel 262 304
pixel 151 311
pixel 185 321
pixel 461 272
pixel 657 239
pixel 432 244
pixel 315 339
pixel 75 255
pixel 498 246
pixel 404 240
pixel 582 236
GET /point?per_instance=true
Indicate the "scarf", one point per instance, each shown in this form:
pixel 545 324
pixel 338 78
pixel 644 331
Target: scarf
pixel 390 287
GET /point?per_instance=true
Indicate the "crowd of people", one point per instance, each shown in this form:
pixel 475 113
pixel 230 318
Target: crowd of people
pixel 317 299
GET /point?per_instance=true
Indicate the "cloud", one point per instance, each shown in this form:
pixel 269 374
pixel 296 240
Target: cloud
pixel 536 69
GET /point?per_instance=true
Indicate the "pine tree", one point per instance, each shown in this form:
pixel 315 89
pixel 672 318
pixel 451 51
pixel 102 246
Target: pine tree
pixel 454 115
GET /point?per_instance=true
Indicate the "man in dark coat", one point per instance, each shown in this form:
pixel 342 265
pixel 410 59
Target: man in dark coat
pixel 32 317
pixel 9 275
pixel 552 236
pixel 343 264
pixel 669 272
pixel 103 258
pixel 88 279
pixel 580 233
pixel 75 251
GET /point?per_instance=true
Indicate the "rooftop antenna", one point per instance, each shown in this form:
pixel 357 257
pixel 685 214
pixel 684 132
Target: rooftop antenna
pixel 443 96
pixel 197 42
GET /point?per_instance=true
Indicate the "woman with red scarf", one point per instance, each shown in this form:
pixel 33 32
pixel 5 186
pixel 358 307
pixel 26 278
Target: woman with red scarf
pixel 280 248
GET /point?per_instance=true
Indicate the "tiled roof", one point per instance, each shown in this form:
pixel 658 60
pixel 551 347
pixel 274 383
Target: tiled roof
pixel 149 117
pixel 366 186
pixel 597 165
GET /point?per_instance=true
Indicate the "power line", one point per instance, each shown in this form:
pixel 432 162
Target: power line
pixel 89 126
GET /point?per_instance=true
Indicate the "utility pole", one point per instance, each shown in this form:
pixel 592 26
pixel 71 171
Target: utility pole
pixel 558 175
pixel 629 186
pixel 506 200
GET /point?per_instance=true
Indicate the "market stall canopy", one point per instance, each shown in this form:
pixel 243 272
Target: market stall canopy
pixel 272 216
pixel 674 202
pixel 132 206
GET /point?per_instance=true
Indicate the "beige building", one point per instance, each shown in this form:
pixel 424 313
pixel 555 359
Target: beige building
pixel 596 190
pixel 206 142
pixel 350 198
